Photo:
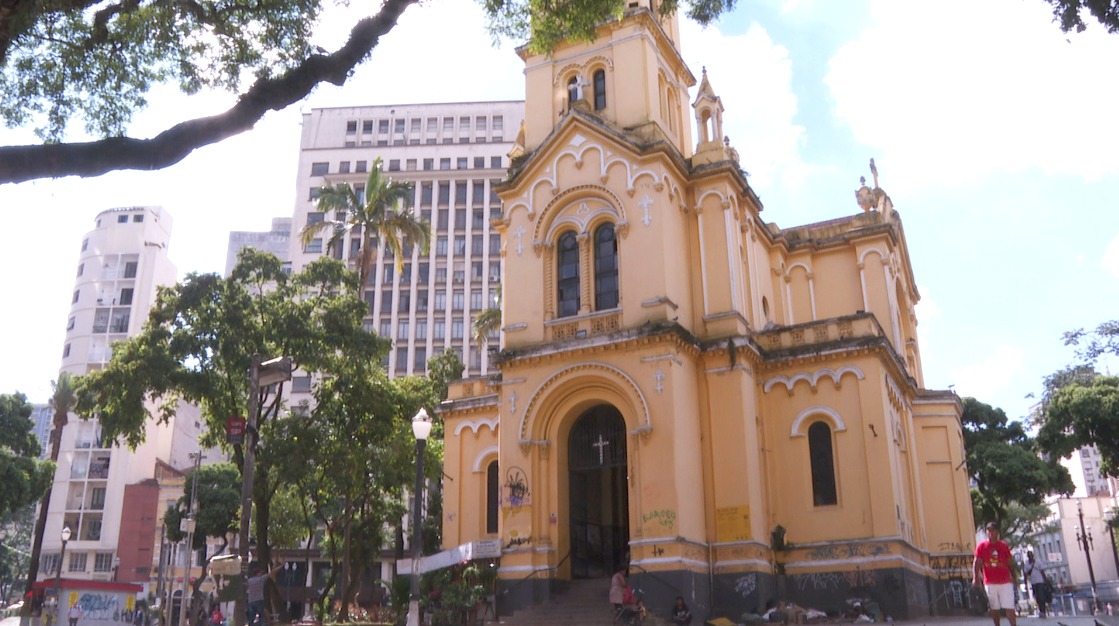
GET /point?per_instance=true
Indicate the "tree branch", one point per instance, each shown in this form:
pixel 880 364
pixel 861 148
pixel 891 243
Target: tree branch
pixel 28 162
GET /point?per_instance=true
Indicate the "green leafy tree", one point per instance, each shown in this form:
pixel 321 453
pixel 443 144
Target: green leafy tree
pixel 198 343
pixel 1084 414
pixel 380 217
pixel 1005 467
pixel 23 477
pixel 94 62
pixel 1070 14
pixel 218 496
pixel 16 529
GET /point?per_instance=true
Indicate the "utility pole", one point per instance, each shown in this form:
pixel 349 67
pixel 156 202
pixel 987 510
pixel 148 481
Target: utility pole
pixel 184 612
pixel 1084 538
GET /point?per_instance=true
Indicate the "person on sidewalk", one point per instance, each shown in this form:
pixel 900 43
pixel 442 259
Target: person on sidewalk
pixel 993 562
pixel 1038 582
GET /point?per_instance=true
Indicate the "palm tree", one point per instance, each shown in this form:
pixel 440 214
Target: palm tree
pixel 381 218
pixel 487 321
pixel 62 401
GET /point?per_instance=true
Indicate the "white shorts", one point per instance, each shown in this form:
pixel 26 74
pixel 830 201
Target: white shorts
pixel 1000 597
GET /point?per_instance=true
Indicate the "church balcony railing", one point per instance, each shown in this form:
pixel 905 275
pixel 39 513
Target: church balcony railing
pixel 858 326
pixel 584 325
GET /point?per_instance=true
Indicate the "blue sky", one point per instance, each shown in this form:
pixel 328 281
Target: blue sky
pixel 993 133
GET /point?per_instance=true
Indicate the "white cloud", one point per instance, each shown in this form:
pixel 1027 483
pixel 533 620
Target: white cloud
pixel 961 89
pixel 1110 261
pixel 753 76
pixel 992 376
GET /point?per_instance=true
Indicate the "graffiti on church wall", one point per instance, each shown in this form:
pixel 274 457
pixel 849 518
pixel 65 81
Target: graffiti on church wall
pixel 665 518
pixel 835 581
pixel 952 595
pixel 952 546
pixel 828 552
pixel 950 566
pixel 518 541
pixel 516 488
pixel 746 585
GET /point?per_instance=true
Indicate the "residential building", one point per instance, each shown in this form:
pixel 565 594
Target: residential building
pixel 1061 551
pixel 453 155
pixel 277 240
pixel 734 409
pixel 104 493
pixel 42 416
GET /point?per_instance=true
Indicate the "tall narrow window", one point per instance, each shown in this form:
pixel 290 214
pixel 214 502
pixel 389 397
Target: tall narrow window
pixel 605 268
pixel 823 464
pixel 573 91
pixel 599 90
pixel 493 497
pixel 567 261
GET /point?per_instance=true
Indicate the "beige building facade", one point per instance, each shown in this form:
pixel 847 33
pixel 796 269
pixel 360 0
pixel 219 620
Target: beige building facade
pixel 734 409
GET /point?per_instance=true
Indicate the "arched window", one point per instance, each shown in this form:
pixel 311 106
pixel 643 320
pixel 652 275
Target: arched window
pixel 605 268
pixel 493 497
pixel 823 464
pixel 599 90
pixel 573 90
pixel 567 266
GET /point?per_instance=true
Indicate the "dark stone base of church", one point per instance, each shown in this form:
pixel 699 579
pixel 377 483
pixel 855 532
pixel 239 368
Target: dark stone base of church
pixel 894 592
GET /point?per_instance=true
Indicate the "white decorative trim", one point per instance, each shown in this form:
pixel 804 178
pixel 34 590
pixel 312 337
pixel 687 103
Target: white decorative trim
pixel 482 457
pixel 837 421
pixel 626 382
pixel 492 422
pixel 812 378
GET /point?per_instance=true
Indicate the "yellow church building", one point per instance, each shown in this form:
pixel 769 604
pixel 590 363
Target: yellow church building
pixel 734 408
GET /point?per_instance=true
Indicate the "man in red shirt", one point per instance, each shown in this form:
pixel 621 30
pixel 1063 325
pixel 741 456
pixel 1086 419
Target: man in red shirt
pixel 994 561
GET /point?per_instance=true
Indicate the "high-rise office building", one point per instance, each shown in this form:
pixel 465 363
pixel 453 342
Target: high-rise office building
pixel 105 494
pixel 453 155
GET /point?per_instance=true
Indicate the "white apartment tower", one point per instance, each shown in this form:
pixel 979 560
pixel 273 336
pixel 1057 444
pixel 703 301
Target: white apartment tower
pixel 107 495
pixel 454 155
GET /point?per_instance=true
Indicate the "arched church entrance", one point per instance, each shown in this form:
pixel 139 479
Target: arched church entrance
pixel 599 505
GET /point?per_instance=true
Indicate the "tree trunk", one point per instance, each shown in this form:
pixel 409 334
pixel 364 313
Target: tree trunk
pixel 40 526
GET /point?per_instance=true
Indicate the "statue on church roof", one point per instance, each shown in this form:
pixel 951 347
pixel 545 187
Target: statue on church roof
pixel 873 199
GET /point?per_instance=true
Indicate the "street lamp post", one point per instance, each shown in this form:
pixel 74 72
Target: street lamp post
pixel 421 428
pixel 58 574
pixel 1084 539
pixel 260 374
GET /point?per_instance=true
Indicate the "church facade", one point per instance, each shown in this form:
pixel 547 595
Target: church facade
pixel 733 409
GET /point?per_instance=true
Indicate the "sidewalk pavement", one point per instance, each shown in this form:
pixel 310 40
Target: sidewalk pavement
pixel 985 620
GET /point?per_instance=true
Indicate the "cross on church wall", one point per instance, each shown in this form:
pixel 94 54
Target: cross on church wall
pixel 601 445
pixel 519 233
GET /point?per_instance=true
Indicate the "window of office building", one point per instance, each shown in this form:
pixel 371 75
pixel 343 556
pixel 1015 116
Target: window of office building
pixel 495 162
pixel 382 126
pixel 314 246
pixel 386 301
pixel 320 169
pixel 439 329
pixel 480 122
pixel 460 193
pixel 441 246
pixel 476 245
pixel 361 166
pixel 495 271
pixel 394 165
pixel 476 300
pixel 419 359
pixel 385 329
pixel 478 223
pixel 444 193
pixel 495 244
pixel 460 219
pixel 456 328
pixel 479 162
pixel 448 124
pixel 401 358
pixel 402 330
pixel 367 126
pixel 421 329
pixel 478 193
pixel 440 300
pixel 445 164
pixel 421 300
pixel 344 167
pixel 410 165
pixel 460 246
pixel 425 194
pixel 458 300
pixel 498 122
pixel 462 163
